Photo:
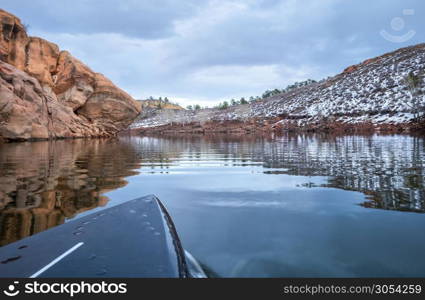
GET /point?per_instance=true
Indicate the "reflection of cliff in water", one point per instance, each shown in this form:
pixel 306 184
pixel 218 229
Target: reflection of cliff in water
pixel 44 183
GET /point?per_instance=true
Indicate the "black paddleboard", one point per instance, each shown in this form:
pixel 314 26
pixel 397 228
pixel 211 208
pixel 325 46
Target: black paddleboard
pixel 134 239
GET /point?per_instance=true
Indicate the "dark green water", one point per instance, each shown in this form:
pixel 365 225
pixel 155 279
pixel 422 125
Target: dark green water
pixel 251 206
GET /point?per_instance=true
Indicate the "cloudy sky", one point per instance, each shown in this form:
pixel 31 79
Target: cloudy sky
pixel 204 52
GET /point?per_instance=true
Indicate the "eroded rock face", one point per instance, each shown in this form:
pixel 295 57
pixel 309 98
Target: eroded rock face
pixel 13 40
pixel 47 93
pixel 23 108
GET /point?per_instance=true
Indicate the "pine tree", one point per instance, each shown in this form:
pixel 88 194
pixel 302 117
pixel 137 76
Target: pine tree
pixel 413 83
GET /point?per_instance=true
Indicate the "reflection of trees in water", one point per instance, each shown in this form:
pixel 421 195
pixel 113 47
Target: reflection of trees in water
pixel 388 169
pixel 43 183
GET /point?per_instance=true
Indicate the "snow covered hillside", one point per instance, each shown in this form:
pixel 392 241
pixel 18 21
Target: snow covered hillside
pixel 373 91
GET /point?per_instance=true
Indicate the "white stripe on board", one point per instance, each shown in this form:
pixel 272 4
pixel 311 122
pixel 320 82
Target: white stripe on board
pixel 57 259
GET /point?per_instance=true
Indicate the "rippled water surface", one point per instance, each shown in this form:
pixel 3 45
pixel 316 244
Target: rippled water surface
pixel 250 206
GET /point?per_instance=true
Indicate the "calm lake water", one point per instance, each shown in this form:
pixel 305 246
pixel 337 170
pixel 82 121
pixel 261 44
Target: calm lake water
pixel 296 205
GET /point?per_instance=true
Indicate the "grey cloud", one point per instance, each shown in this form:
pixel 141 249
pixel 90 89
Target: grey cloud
pixel 218 49
pixel 249 39
pixel 141 19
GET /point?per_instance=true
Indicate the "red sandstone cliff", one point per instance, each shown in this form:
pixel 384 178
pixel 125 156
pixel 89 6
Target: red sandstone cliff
pixel 46 93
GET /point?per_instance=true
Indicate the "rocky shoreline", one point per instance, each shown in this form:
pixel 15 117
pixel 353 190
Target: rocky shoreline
pixel 276 125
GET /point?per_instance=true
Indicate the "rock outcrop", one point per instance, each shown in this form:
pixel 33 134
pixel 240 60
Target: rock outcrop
pixel 159 104
pixel 47 93
pixel 154 107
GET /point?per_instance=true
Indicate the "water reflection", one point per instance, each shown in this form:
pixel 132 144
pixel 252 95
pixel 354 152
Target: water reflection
pixel 389 170
pixel 44 183
pixel 293 205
